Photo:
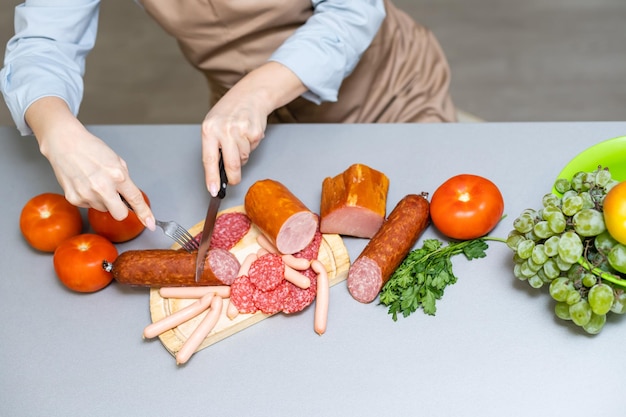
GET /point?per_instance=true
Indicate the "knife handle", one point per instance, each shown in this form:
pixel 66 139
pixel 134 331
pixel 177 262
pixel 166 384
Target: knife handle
pixel 223 178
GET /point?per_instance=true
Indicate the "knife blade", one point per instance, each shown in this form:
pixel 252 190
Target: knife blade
pixel 209 221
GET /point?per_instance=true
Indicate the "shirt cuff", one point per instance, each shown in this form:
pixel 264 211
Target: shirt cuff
pixel 19 93
pixel 327 48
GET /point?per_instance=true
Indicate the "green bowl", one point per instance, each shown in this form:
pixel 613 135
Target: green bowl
pixel 609 153
pixel 612 154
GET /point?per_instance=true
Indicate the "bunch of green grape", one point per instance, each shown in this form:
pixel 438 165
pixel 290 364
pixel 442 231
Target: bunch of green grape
pixel 565 246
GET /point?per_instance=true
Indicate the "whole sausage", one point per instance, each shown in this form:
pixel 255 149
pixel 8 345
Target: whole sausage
pixel 388 248
pixel 173 268
pixel 280 215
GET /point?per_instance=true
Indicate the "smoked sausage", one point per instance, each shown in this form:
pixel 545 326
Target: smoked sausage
pixel 173 268
pixel 280 215
pixel 388 248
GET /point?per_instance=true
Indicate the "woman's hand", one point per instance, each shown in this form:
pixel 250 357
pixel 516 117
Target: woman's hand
pixel 237 123
pixel 90 172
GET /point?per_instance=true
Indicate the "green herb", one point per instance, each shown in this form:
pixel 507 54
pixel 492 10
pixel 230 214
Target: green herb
pixel 424 274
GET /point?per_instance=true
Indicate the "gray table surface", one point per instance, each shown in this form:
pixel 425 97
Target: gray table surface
pixel 493 349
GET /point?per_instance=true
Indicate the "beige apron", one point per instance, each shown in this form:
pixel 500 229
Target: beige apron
pixel 402 77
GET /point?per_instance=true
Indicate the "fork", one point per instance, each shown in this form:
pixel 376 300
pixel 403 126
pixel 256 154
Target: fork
pixel 179 234
pixel 174 231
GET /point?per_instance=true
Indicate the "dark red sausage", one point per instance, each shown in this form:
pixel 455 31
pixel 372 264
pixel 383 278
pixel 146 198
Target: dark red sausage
pixel 388 248
pixel 173 268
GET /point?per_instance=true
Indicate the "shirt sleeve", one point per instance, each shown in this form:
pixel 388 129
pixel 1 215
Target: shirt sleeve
pixel 325 50
pixel 46 56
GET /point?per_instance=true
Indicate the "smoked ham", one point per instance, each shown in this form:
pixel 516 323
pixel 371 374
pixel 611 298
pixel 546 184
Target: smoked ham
pixel 354 202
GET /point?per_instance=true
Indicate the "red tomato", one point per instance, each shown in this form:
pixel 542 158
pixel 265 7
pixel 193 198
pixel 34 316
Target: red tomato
pixel 466 207
pixel 78 262
pixel 115 230
pixel 48 219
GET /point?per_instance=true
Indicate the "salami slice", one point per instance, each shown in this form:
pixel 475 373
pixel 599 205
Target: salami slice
pixel 267 271
pixel 270 302
pixel 229 229
pixel 265 288
pixel 299 298
pixel 241 295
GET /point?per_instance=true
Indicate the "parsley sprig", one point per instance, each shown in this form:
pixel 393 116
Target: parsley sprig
pixel 424 274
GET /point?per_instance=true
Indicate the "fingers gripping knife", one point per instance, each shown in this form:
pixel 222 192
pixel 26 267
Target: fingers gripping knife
pixel 209 221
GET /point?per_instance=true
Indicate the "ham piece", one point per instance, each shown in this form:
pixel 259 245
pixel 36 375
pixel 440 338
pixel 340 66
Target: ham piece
pixel 354 202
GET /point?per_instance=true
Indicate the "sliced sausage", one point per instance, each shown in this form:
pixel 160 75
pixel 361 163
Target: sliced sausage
pixel 388 248
pixel 229 229
pixel 173 268
pixel 280 215
pixel 242 295
pixel 354 202
pixel 271 302
pixel 267 271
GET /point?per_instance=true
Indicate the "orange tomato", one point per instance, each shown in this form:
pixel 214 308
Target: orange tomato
pixel 116 231
pixel 48 219
pixel 614 210
pixel 466 207
pixel 78 262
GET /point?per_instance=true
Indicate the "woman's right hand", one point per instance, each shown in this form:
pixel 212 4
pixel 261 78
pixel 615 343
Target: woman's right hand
pixel 89 171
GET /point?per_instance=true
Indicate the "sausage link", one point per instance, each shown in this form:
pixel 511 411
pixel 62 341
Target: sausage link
pixel 231 311
pixel 265 243
pixel 173 268
pixel 201 332
pixel 321 298
pixel 194 292
pixel 299 264
pixel 245 265
pixel 297 278
pixel 388 248
pixel 179 317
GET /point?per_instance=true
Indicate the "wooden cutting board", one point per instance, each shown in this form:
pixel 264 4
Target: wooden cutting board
pixel 333 254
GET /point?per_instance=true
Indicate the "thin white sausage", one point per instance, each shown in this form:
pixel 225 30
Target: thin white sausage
pixel 266 244
pixel 321 298
pixel 296 278
pixel 200 333
pixel 245 265
pixel 231 311
pixel 299 264
pixel 194 292
pixel 179 317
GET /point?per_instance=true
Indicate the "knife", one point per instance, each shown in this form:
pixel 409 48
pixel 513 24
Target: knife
pixel 209 221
